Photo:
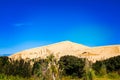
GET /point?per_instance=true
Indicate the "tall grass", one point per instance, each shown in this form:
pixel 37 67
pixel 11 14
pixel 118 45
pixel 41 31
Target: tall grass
pixel 89 72
pixel 5 77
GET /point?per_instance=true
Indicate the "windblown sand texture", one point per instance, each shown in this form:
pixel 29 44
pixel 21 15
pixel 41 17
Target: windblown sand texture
pixel 69 48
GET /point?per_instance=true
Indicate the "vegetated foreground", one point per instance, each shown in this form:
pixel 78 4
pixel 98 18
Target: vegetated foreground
pixel 67 68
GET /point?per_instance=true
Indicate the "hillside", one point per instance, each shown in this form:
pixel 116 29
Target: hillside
pixel 69 48
pixel 102 52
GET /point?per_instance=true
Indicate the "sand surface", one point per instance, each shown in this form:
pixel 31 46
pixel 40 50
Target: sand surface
pixel 69 48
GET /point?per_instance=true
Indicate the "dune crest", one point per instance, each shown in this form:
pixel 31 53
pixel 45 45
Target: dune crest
pixel 69 48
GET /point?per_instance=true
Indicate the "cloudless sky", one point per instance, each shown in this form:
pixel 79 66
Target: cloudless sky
pixel 32 23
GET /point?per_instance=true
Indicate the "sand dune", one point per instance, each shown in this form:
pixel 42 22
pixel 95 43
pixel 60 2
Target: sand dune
pixel 69 48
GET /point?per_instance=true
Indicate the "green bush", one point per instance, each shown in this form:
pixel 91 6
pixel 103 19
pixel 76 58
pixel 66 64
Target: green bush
pixel 3 61
pixel 38 67
pixel 111 65
pixel 72 66
pixel 15 67
pixel 18 67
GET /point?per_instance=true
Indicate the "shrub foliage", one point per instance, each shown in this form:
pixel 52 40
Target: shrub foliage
pixel 72 65
pixel 50 68
pixel 111 64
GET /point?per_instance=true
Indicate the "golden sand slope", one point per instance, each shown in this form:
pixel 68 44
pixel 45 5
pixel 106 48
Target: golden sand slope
pixel 69 48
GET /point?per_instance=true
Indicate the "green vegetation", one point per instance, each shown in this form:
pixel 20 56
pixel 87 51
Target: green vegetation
pixel 12 67
pixel 89 72
pixel 72 66
pixel 67 68
pixel 47 69
pixel 111 65
pixel 108 69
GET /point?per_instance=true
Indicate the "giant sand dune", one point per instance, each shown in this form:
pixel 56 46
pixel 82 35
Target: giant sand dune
pixel 69 48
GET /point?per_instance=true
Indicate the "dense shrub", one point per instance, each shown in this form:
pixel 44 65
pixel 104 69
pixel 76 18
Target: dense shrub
pixel 97 66
pixel 18 67
pixel 72 65
pixel 3 61
pixel 15 67
pixel 112 65
pixel 38 66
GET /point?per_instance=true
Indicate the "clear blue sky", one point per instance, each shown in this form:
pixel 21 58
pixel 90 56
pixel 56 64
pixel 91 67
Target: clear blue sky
pixel 31 23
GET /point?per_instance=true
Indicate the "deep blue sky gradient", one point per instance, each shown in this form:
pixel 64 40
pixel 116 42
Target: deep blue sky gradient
pixel 31 23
